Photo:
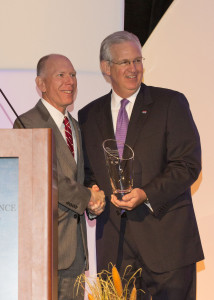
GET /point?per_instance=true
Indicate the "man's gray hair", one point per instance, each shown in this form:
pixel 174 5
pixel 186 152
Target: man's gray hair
pixel 116 38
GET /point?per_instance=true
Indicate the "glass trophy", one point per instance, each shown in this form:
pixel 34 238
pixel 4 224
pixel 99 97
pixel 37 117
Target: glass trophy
pixel 120 169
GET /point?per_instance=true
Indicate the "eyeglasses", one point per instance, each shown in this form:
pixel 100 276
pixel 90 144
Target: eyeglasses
pixel 127 62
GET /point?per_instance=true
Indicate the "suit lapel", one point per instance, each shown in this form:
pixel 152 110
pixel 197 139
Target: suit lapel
pixel 139 115
pixel 66 160
pixel 104 118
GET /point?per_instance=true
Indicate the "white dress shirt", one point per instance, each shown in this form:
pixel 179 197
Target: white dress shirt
pixel 58 118
pixel 115 107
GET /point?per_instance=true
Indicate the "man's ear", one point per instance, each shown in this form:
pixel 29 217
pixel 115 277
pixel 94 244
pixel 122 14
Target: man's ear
pixel 40 84
pixel 105 67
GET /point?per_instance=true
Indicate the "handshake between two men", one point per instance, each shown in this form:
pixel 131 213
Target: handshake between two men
pixel 97 202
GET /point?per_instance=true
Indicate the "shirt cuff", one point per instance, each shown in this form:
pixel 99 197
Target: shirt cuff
pixel 147 203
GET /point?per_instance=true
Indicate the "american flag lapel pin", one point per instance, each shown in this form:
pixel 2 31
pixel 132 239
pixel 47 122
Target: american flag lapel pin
pixel 144 111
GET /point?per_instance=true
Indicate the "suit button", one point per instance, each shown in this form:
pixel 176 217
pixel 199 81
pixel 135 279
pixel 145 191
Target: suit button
pixel 76 216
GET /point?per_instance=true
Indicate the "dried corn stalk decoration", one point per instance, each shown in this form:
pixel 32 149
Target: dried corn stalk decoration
pixel 133 295
pixel 90 297
pixel 117 281
pixel 110 288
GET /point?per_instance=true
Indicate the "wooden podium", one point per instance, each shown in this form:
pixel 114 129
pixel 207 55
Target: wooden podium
pixel 36 213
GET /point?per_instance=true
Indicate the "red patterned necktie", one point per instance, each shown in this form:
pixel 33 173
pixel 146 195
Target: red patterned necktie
pixel 68 134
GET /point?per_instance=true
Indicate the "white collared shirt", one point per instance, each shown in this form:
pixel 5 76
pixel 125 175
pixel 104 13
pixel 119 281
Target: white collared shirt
pixel 115 106
pixel 58 119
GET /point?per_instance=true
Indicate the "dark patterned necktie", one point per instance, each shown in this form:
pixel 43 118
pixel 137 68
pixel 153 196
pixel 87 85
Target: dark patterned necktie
pixel 122 126
pixel 68 134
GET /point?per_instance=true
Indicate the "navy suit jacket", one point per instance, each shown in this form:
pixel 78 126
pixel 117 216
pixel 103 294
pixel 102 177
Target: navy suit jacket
pixel 167 161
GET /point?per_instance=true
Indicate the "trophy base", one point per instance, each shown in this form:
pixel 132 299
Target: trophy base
pixel 120 194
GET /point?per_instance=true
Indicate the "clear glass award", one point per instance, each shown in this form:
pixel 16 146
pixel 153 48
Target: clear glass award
pixel 120 169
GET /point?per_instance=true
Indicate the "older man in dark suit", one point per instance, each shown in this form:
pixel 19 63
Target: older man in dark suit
pixel 158 231
pixel 56 79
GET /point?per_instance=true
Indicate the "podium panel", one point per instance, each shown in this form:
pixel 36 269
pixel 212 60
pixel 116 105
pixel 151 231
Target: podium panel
pixel 9 228
pixel 28 215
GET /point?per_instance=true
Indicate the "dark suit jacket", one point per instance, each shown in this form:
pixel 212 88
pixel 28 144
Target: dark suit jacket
pixel 73 197
pixel 167 161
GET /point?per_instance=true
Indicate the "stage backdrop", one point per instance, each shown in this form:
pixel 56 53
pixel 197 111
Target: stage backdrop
pixel 30 29
pixel 179 55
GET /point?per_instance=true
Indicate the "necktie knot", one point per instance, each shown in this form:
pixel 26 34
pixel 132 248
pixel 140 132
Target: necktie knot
pixel 123 103
pixel 66 121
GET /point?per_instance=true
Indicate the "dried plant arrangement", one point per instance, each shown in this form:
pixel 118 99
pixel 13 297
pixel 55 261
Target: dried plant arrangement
pixel 108 285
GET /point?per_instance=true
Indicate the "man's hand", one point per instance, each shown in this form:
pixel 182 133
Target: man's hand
pixel 97 202
pixel 131 200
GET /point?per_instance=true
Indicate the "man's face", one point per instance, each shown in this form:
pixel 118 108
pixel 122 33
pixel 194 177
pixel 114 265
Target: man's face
pixel 125 78
pixel 58 82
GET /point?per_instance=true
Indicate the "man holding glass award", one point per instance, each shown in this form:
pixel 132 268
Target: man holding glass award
pixel 141 145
